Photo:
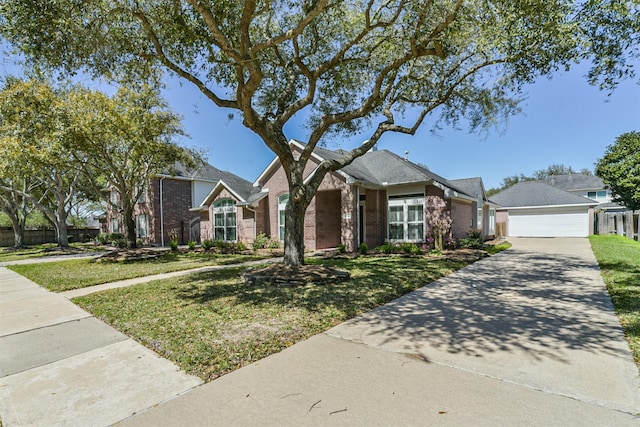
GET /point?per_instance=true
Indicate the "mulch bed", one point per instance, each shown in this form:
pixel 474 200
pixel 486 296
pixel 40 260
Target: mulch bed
pixel 123 255
pixel 279 274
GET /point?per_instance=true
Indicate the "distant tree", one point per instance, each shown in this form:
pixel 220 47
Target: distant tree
pixel 586 171
pixel 126 139
pixel 554 169
pixel 619 168
pixel 34 128
pixel 344 65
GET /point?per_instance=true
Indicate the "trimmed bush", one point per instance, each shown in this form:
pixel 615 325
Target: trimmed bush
pixel 363 249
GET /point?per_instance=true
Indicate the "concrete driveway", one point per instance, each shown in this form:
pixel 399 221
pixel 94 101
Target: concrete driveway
pixel 526 337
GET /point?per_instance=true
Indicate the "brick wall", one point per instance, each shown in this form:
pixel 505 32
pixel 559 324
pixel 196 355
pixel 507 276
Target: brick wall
pixel 462 216
pixel 375 217
pixel 176 202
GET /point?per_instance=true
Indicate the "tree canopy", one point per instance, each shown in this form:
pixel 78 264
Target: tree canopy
pixel 619 168
pixel 125 139
pixel 344 65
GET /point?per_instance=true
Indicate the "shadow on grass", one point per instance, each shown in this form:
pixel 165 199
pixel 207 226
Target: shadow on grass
pixel 374 282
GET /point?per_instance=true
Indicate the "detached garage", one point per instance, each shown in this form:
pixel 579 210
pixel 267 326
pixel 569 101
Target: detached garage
pixel 536 209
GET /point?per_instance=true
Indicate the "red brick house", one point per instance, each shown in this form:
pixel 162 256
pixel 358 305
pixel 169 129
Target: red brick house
pixel 380 197
pixel 167 203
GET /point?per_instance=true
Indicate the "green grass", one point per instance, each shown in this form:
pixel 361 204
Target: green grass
pixel 619 260
pixel 44 250
pixel 494 249
pixel 79 273
pixel 211 323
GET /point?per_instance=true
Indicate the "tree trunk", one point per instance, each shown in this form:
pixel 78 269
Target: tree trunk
pixel 61 226
pixel 294 232
pixel 18 232
pixel 130 227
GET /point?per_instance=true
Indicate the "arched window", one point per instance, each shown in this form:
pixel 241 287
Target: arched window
pixel 282 204
pixel 225 220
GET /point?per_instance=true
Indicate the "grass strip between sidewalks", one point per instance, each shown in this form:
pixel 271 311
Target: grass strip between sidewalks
pixel 46 250
pixel 619 260
pixel 79 273
pixel 211 323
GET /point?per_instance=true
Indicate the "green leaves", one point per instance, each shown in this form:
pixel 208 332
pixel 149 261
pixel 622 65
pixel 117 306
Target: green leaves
pixel 620 169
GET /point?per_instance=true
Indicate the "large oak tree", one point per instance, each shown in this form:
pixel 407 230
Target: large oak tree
pixel 619 168
pixel 344 65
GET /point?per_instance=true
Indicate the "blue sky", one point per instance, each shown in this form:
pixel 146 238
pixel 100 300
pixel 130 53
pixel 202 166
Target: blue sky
pixel 564 121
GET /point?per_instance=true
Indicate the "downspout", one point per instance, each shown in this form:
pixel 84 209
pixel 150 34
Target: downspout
pixel 161 214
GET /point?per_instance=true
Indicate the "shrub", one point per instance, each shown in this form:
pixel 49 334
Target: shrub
pixel 242 246
pixel 207 244
pixel 342 248
pixel 261 241
pixel 410 248
pixel 274 244
pixel 103 238
pixel 139 243
pixel 173 244
pixel 363 248
pixel 192 245
pixel 116 236
pixel 472 241
pixel 387 248
pixel 119 243
pixel 221 245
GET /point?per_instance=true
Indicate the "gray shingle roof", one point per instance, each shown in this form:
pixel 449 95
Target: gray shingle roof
pixel 471 186
pixel 575 182
pixel 209 172
pixel 384 168
pixel 537 193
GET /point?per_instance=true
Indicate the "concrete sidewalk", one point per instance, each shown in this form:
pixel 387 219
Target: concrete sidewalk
pixel 526 337
pixel 61 366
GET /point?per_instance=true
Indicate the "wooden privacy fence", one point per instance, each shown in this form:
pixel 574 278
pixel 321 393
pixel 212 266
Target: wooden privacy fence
pixel 622 223
pixel 40 236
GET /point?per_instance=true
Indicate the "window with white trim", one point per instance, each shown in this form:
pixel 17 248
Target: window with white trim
pixel 114 196
pixel 282 205
pixel 142 225
pixel 406 218
pixel 115 225
pixel 225 220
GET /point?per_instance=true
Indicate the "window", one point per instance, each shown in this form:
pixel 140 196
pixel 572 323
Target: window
pixel 115 225
pixel 282 204
pixel 114 196
pixel 142 225
pixel 597 195
pixel 225 220
pixel 144 195
pixel 406 219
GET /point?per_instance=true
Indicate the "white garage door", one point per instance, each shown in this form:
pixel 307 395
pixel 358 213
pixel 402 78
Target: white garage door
pixel 570 222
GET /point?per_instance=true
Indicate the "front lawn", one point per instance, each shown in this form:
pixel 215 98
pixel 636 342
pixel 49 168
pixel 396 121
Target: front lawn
pixel 79 273
pixel 619 260
pixel 45 250
pixel 211 323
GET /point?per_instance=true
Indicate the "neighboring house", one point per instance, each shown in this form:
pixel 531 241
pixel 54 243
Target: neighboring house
pixel 589 186
pixel 379 197
pixel 537 209
pixel 166 205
